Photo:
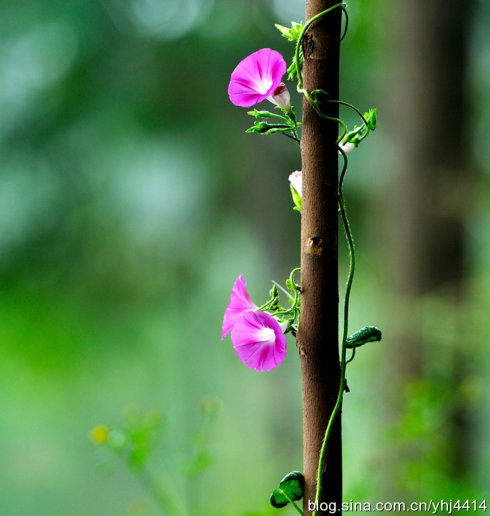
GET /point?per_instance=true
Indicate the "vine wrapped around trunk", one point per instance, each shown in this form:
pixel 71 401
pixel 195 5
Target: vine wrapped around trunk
pixel 257 333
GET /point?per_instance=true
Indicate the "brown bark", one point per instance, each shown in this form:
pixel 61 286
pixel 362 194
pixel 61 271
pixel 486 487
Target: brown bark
pixel 318 331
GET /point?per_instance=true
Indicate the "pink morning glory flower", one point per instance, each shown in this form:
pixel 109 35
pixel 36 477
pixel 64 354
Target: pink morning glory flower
pixel 258 77
pixel 259 341
pixel 238 304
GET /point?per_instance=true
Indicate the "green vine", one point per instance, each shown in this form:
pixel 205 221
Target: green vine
pixel 286 123
pixel 354 137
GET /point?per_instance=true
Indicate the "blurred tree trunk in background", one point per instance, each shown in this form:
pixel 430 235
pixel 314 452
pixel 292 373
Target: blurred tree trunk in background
pixel 432 196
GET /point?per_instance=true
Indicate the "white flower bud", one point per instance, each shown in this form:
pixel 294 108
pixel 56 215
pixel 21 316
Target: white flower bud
pixel 280 97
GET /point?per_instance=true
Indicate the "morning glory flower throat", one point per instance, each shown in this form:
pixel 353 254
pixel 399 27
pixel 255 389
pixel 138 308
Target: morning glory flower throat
pixel 259 341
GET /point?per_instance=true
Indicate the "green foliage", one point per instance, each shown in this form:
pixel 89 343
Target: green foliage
pixel 371 119
pixel 201 462
pixel 289 125
pixel 423 440
pixel 202 458
pixel 290 489
pixel 133 441
pixel 86 320
pixel 266 128
pixel 291 33
pixel 296 66
pixel 258 114
pixel 134 438
pixel 360 132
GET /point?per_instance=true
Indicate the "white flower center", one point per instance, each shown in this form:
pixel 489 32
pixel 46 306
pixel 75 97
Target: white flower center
pixel 263 86
pixel 265 335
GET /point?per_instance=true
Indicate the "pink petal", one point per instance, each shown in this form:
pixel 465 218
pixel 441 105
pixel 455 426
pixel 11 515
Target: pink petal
pixel 238 304
pixel 259 341
pixel 256 77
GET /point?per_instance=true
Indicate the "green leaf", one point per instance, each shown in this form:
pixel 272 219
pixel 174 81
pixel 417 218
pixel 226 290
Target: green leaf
pixel 292 70
pixel 359 133
pixel 296 198
pixel 290 489
pixel 199 463
pixel 371 119
pixel 273 292
pixel 363 336
pixel 277 129
pixel 295 66
pixel 138 456
pixel 265 114
pixel 290 33
pixel 283 30
pixel 266 128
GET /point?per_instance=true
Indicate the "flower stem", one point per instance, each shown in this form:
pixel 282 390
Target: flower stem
pixel 350 106
pixel 352 356
pixel 296 297
pixel 149 484
pixel 295 138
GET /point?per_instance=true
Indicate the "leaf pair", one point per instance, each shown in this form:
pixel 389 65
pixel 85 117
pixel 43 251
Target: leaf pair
pixel 261 126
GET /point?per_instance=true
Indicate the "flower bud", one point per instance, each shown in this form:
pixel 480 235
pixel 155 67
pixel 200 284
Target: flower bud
pixel 296 184
pixel 296 181
pixel 347 147
pixel 280 96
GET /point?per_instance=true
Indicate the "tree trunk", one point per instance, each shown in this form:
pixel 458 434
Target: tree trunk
pixel 318 331
pixel 431 145
pixel 432 197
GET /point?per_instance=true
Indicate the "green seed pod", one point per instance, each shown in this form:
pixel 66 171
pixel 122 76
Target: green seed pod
pixel 364 335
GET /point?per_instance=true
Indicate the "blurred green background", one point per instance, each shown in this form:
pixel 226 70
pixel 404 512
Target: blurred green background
pixel 130 201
